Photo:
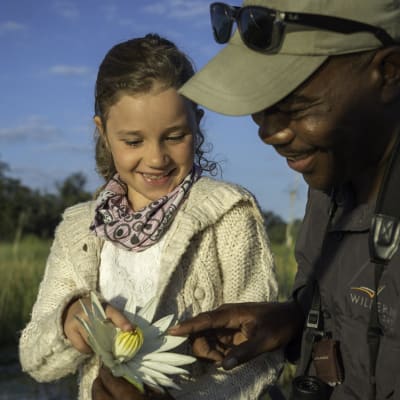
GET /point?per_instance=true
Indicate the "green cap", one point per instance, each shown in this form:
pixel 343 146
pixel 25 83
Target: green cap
pixel 240 81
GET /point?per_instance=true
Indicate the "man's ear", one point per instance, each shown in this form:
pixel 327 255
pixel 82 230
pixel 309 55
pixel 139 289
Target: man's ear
pixel 389 65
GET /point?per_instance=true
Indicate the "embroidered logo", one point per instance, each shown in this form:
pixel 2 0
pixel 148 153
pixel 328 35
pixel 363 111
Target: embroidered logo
pixel 362 298
pixel 368 291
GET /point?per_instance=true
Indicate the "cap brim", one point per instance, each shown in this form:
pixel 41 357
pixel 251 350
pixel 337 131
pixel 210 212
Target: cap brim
pixel 240 81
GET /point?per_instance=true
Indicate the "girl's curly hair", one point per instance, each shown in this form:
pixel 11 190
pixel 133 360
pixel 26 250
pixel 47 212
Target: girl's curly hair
pixel 133 67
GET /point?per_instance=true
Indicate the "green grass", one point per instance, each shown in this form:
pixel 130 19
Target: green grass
pixel 21 270
pixel 285 268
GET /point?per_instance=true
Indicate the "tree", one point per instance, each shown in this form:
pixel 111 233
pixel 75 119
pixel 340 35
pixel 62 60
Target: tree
pixel 72 190
pixel 28 211
pixel 276 226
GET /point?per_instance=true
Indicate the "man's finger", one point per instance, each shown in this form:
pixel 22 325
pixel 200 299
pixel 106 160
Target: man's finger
pixel 119 388
pixel 99 392
pixel 201 348
pixel 242 353
pixel 217 319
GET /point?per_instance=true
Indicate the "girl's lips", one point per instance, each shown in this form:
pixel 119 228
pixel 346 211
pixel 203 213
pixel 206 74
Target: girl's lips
pixel 156 180
pixel 301 163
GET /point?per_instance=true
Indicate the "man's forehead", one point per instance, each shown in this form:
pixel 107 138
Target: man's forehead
pixel 311 90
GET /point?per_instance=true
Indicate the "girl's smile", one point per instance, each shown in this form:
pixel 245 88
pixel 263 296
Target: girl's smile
pixel 160 179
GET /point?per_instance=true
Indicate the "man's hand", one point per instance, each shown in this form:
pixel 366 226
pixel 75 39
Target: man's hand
pixel 108 387
pixel 235 333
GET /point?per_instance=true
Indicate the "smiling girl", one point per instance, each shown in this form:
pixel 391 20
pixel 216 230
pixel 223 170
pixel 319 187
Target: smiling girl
pixel 157 228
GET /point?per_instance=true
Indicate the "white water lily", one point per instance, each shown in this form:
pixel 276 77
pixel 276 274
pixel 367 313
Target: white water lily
pixel 141 356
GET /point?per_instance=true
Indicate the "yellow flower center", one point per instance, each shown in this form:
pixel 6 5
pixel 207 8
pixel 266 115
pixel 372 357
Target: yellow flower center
pixel 127 344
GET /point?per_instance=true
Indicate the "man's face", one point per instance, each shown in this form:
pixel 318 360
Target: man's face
pixel 330 129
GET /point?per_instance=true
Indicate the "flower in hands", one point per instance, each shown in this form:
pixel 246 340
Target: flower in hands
pixel 127 344
pixel 140 356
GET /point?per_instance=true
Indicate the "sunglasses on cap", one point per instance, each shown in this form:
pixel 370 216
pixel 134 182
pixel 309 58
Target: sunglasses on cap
pixel 262 29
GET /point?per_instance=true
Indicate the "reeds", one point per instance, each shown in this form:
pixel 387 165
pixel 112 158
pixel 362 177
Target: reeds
pixel 20 274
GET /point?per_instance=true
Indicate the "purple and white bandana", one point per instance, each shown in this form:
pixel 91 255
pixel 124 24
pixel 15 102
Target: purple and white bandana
pixel 137 230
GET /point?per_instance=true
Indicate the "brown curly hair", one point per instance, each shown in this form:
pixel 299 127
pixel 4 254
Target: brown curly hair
pixel 132 67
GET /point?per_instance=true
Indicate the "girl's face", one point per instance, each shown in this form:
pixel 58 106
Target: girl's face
pixel 151 138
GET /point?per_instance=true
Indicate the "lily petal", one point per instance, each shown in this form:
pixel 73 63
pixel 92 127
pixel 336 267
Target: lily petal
pixel 164 323
pixel 148 311
pixel 164 368
pixel 97 307
pixel 170 358
pixel 170 342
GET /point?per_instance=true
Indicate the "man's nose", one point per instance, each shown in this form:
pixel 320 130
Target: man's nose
pixel 274 127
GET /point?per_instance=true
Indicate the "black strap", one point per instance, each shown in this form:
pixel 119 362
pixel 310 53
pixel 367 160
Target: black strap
pixel 314 328
pixel 311 332
pixel 384 238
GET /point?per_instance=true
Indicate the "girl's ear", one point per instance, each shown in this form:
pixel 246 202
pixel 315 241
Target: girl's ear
pixel 102 132
pixel 389 65
pixel 99 124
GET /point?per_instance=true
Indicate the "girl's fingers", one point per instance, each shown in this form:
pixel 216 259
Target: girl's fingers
pixel 78 338
pixel 118 319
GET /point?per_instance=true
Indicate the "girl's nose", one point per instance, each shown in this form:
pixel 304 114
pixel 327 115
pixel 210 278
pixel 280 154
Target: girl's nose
pixel 156 156
pixel 274 127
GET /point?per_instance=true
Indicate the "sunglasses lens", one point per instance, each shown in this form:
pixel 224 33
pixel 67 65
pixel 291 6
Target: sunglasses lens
pixel 256 26
pixel 221 22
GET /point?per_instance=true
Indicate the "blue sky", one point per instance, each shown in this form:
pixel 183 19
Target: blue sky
pixel 50 51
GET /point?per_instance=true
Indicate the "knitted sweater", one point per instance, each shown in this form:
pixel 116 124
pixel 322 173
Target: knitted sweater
pixel 216 251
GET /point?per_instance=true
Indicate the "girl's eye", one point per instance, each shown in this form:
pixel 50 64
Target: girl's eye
pixel 176 138
pixel 133 143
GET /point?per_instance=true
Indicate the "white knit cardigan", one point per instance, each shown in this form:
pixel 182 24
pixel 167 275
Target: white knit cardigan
pixel 216 251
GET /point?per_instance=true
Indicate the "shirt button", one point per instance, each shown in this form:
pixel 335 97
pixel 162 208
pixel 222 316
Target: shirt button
pixel 199 294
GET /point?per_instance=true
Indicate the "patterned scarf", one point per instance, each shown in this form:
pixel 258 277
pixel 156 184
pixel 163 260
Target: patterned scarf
pixel 137 230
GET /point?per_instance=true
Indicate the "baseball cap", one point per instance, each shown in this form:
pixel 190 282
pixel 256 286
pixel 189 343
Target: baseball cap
pixel 241 81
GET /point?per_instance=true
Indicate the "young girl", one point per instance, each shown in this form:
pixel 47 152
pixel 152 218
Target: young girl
pixel 157 228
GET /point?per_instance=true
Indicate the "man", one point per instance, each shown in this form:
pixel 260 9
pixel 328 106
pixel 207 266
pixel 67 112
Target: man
pixel 325 92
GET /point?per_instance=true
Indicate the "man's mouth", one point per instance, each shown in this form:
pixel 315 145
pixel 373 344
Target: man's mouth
pixel 301 162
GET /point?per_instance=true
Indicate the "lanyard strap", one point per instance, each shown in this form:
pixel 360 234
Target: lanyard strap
pixel 384 238
pixel 314 326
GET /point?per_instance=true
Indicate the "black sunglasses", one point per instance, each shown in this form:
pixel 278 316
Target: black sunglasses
pixel 262 29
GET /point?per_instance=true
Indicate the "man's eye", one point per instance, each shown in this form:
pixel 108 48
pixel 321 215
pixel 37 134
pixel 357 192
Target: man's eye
pixel 294 113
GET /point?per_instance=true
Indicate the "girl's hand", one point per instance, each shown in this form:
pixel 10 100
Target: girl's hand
pixel 75 332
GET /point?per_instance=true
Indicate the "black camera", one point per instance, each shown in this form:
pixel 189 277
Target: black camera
pixel 307 387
